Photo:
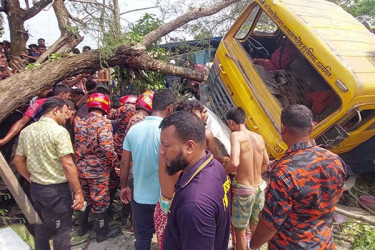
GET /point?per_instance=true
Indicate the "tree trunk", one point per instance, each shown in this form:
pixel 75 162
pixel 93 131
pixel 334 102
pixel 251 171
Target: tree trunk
pixel 18 34
pixel 16 18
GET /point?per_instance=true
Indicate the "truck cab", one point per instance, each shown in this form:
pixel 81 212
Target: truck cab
pixel 310 52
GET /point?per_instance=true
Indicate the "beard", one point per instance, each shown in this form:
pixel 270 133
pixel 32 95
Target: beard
pixel 177 164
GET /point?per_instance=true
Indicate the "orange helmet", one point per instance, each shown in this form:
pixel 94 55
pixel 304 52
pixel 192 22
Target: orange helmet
pixel 144 101
pixel 131 99
pixel 98 100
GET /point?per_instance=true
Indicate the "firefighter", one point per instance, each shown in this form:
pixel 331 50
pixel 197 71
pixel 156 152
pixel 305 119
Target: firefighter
pixel 95 155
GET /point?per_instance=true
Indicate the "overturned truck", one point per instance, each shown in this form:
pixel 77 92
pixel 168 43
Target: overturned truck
pixel 310 52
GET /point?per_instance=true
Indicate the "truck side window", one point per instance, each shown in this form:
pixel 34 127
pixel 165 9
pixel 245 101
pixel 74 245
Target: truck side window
pixel 245 27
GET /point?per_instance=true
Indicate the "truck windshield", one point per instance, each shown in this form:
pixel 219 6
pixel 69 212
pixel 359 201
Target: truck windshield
pixel 288 75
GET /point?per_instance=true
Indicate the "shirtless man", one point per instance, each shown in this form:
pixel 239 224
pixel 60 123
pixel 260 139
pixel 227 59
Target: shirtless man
pixel 249 160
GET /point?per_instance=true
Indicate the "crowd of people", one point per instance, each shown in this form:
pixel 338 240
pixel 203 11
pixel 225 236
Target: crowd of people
pixel 77 153
pixel 10 64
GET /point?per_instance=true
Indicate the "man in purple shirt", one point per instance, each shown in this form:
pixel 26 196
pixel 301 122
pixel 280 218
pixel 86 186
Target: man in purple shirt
pixel 199 215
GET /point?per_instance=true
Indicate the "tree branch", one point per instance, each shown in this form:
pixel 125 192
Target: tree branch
pixel 77 20
pixel 37 7
pixel 178 22
pixel 355 216
pixel 68 38
pixel 129 11
pixel 93 2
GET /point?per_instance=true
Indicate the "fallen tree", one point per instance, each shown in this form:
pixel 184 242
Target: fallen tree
pixel 24 85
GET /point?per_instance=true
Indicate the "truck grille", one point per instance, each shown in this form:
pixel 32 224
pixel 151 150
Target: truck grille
pixel 217 94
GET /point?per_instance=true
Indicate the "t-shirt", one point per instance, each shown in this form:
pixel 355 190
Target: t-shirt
pixel 199 214
pixel 43 143
pixel 34 108
pixel 143 141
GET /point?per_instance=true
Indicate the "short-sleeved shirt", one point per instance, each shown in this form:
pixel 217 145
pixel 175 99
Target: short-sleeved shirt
pixel 94 147
pixel 304 187
pixel 33 109
pixel 199 215
pixel 143 141
pixel 43 143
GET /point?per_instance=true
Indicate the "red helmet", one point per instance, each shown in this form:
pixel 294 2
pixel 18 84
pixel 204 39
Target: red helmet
pixel 144 101
pixel 131 99
pixel 98 100
pixel 150 93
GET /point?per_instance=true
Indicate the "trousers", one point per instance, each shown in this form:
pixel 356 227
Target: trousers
pixel 53 204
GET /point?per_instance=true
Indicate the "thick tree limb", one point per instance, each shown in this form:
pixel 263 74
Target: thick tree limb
pixel 180 21
pixel 37 7
pixel 355 216
pixel 23 86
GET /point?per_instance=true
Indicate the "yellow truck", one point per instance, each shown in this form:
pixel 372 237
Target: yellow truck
pixel 311 52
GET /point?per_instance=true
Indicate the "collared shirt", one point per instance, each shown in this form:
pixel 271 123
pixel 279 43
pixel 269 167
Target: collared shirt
pixel 143 141
pixel 94 147
pixel 123 115
pixel 304 187
pixel 199 215
pixel 43 143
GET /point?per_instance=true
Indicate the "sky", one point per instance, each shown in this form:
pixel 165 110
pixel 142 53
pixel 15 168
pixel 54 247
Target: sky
pixel 44 24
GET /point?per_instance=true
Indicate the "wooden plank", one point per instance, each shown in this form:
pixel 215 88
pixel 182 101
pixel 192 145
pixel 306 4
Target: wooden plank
pixel 17 192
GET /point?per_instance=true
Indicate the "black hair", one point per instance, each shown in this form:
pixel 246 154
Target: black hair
pixel 102 90
pixel 236 114
pixel 33 45
pixel 71 105
pixel 60 88
pixel 41 39
pixel 76 51
pixel 188 126
pixel 86 47
pixel 42 46
pixel 189 105
pixel 52 103
pixel 90 85
pixel 297 117
pixel 162 99
pixel 77 91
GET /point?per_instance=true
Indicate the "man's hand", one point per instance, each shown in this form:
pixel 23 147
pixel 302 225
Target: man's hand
pixel 78 202
pixel 225 160
pixel 230 167
pixel 126 195
pixel 2 142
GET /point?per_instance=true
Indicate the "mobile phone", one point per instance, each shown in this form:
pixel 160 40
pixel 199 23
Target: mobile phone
pixel 84 206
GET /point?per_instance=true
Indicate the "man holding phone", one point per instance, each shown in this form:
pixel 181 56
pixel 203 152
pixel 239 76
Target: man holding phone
pixel 44 158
